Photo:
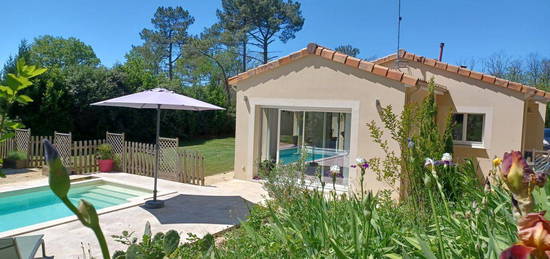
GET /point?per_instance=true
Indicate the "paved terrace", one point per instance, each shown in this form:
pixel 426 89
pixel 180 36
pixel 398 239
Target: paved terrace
pixel 195 209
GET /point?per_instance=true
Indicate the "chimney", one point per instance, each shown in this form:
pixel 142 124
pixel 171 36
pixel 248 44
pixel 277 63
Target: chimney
pixel 441 46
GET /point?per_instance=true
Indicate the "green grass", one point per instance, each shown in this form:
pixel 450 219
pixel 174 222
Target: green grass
pixel 219 154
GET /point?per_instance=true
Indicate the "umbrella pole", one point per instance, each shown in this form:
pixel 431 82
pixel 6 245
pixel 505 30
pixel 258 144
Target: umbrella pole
pixel 155 204
pixel 157 147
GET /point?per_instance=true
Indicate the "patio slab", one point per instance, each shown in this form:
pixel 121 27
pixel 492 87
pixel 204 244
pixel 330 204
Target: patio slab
pixel 191 209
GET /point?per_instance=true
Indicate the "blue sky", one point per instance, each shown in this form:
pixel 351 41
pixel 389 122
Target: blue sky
pixel 469 28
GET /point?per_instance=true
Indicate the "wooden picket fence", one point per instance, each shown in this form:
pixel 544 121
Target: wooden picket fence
pixel 6 147
pixel 140 160
pixel 133 157
pixel 192 163
pixel 36 152
pixel 84 158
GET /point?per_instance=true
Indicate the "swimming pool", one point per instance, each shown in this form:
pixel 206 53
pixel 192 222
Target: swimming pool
pixel 292 155
pixel 37 205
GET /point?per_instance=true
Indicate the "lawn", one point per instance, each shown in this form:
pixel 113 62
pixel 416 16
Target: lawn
pixel 219 154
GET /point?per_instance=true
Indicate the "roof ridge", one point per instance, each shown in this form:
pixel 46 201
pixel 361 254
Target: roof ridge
pixel 501 82
pixel 324 52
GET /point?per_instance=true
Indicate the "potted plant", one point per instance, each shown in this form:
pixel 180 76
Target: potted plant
pixel 15 160
pixel 105 157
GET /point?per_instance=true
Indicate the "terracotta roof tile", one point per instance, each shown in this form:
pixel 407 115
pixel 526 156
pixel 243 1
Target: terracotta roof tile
pixel 528 89
pixel 394 74
pixel 501 82
pixel 352 62
pixel 489 78
pixel 429 62
pixel 318 51
pixel 314 49
pixel 367 66
pixel 441 65
pixel 284 60
pixel 409 80
pixel 409 56
pixel 327 53
pixel 466 72
pixel 476 75
pixel 419 59
pixel 515 86
pixel 380 70
pixel 340 57
pixel 452 68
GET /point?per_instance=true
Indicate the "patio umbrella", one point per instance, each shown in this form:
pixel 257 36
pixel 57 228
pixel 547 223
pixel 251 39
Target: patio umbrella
pixel 158 98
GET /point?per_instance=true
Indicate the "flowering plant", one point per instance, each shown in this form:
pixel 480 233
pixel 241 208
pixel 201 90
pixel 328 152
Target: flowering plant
pixel 534 238
pixel 521 181
pixel 334 172
pixel 363 165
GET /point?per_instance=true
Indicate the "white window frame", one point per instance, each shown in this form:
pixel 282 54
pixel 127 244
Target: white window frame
pixel 486 130
pixel 346 106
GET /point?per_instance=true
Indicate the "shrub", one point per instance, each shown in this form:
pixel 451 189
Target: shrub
pixel 161 245
pixel 16 155
pixel 265 166
pixel 418 136
pixel 105 152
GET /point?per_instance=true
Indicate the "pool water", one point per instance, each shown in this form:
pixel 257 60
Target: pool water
pixel 292 155
pixel 36 205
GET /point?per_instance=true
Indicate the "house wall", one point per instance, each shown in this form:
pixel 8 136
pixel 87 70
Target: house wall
pixel 315 82
pixel 504 108
pixel 535 115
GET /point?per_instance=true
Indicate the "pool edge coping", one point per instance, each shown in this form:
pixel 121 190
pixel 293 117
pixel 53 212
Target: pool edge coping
pixel 136 201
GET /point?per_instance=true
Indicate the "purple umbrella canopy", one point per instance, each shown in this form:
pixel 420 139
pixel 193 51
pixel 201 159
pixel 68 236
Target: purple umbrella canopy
pixel 151 99
pixel 159 99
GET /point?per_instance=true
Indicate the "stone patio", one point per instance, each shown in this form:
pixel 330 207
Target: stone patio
pixel 191 209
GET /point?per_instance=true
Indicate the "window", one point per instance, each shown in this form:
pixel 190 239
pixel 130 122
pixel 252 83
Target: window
pixel 468 128
pixel 321 138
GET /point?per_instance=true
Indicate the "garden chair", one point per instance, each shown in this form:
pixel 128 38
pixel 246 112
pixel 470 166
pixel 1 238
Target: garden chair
pixel 24 247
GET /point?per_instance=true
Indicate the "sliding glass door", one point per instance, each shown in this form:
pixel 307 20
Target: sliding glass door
pixel 320 138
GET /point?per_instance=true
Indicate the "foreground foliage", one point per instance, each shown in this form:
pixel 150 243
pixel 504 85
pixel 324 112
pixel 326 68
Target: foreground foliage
pixel 311 225
pixel 308 224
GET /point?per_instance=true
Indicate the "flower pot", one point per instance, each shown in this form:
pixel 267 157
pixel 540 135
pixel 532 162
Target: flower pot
pixel 105 165
pixel 15 164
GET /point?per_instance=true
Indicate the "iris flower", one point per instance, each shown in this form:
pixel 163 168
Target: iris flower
pixel 519 177
pixel 534 238
pixel 361 163
pixel 334 169
pixel 521 180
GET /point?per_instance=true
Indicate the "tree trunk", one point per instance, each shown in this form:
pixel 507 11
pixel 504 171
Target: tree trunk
pixel 265 45
pixel 244 55
pixel 170 61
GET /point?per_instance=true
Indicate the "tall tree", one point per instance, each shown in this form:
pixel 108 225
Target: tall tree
pixel 50 51
pixel 169 35
pixel 236 27
pixel 348 50
pixel 10 65
pixel 497 64
pixel 263 21
pixel 209 54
